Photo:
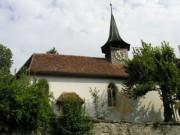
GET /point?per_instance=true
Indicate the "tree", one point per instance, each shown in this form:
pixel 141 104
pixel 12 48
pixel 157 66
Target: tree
pixel 154 69
pixel 24 105
pixel 52 51
pixel 5 59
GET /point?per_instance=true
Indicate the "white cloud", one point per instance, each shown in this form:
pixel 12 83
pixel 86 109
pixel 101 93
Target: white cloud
pixel 81 27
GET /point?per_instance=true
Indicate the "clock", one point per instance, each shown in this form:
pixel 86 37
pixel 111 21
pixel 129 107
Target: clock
pixel 119 55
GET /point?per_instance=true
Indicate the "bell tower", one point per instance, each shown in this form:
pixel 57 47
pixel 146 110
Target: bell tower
pixel 115 49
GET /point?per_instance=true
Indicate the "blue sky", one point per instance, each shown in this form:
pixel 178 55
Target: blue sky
pixel 81 27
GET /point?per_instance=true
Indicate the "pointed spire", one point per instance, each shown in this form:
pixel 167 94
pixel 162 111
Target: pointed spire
pixel 113 32
pixel 114 36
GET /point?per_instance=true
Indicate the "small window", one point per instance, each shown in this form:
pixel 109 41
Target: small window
pixel 112 93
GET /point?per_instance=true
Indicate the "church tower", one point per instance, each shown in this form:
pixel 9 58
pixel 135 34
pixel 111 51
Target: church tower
pixel 115 49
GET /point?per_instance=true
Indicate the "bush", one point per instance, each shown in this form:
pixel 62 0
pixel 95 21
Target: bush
pixel 24 106
pixel 74 120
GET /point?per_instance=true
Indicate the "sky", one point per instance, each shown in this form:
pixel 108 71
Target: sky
pixel 81 27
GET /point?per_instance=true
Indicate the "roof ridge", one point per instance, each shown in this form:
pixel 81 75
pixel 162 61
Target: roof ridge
pixel 68 55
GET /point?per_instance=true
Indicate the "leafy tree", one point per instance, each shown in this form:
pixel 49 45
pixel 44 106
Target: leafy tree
pixel 52 51
pixel 24 105
pixel 154 69
pixel 73 120
pixel 5 59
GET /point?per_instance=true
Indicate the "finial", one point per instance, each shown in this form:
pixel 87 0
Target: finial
pixel 111 6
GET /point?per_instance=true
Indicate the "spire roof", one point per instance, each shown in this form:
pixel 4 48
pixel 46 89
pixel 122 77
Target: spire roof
pixel 113 32
pixel 114 36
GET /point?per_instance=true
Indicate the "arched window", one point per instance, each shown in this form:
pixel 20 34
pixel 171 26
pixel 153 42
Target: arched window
pixel 112 95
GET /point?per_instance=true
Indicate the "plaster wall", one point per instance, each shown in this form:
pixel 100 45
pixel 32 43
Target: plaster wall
pixel 147 108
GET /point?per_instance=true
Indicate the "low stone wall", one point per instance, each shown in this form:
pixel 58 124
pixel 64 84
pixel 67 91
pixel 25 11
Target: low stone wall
pixel 124 128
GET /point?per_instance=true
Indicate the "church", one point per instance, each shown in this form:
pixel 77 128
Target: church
pixel 80 74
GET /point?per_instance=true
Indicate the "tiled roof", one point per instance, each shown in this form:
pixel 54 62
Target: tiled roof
pixel 65 95
pixel 54 64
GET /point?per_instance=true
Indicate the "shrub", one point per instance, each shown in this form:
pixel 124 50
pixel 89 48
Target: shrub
pixel 24 106
pixel 74 120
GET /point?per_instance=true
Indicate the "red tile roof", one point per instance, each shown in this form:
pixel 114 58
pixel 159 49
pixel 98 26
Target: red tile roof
pixel 65 95
pixel 54 64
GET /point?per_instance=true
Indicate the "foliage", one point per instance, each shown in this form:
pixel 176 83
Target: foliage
pixel 74 120
pixel 5 59
pixel 154 69
pixel 52 51
pixel 24 106
pixel 123 104
pixel 98 101
pixel 44 83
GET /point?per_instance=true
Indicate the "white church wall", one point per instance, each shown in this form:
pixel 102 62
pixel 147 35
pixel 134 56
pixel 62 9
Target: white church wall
pixel 148 108
pixel 58 85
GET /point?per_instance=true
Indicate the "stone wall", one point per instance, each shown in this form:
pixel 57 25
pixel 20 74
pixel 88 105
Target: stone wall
pixel 124 128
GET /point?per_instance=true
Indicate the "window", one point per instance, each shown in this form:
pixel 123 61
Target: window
pixel 112 93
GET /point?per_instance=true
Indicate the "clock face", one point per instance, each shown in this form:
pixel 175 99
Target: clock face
pixel 119 55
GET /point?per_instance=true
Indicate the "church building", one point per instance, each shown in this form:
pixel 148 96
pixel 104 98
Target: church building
pixel 80 74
